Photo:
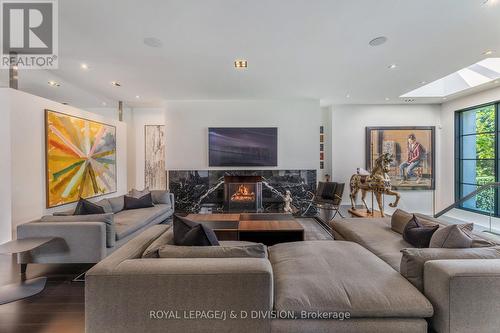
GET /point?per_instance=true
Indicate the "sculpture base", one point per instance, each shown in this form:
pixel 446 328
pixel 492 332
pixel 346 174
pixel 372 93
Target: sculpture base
pixel 364 214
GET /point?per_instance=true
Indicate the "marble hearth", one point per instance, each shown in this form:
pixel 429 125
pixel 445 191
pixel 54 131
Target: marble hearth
pixel 194 188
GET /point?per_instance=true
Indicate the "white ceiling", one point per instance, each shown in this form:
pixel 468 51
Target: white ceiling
pixel 295 49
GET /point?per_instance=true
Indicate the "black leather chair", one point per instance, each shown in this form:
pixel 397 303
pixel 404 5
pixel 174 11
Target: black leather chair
pixel 328 196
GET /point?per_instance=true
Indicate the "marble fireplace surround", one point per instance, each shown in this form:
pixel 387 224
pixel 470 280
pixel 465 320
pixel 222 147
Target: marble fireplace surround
pixel 193 188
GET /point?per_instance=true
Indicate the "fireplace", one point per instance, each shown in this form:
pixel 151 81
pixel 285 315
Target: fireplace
pixel 243 193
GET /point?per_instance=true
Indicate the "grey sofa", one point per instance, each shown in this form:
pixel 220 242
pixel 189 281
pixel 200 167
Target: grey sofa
pixel 299 281
pixel 82 239
pixel 465 293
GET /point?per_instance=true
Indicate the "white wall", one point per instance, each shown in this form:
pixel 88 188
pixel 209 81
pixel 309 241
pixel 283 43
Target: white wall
pixel 142 117
pixel 348 143
pixel 446 180
pixel 28 151
pixel 326 122
pixel 298 124
pixel 5 169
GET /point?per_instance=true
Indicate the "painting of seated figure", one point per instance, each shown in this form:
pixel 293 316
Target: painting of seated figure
pixel 412 150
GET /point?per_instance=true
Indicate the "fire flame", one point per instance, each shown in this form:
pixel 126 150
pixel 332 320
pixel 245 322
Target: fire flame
pixel 243 194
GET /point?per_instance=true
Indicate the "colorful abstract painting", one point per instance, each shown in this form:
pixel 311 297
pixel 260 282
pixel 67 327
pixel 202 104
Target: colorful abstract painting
pixel 80 158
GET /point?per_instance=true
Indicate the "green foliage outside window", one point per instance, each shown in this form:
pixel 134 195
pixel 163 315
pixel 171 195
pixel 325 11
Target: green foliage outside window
pixel 485 149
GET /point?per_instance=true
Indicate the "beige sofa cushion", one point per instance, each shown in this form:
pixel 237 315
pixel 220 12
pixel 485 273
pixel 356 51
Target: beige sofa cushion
pixel 242 251
pixel 374 234
pixel 129 221
pixel 399 219
pixel 413 260
pixel 166 238
pixel 341 276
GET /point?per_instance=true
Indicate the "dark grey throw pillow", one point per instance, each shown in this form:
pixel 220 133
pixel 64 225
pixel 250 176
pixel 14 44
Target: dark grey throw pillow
pixel 418 234
pixel 135 203
pixel 190 233
pixel 85 207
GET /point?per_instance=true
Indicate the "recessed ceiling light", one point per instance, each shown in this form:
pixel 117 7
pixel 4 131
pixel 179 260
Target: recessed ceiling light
pixel 103 103
pixel 240 63
pixel 137 96
pixel 392 66
pixel 116 84
pixel 487 52
pixel 53 84
pixel 423 82
pixel 347 96
pixel 84 66
pixel 445 97
pixel 387 98
pixel 378 41
pixel 153 42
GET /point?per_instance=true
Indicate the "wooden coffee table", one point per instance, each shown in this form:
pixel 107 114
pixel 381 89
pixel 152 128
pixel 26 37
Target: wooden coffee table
pixel 269 232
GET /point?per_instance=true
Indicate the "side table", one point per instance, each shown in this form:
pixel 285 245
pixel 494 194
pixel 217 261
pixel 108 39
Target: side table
pixel 24 288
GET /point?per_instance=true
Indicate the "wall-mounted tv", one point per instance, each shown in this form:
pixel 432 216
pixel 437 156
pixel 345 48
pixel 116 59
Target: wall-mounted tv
pixel 238 146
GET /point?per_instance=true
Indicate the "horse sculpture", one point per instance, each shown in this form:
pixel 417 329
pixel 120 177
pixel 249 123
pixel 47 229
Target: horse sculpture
pixel 377 182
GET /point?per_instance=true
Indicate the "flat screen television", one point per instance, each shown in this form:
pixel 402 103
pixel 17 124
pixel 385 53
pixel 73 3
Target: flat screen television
pixel 238 146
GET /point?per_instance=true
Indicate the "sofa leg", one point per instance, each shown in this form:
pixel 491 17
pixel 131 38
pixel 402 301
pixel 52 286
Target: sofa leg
pixel 23 268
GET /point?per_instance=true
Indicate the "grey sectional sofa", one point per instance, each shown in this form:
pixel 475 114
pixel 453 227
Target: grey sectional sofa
pixel 301 282
pixel 91 238
pixel 465 293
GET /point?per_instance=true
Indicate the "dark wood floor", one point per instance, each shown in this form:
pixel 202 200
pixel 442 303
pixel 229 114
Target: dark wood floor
pixel 57 309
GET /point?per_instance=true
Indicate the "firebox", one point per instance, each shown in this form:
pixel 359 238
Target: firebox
pixel 243 193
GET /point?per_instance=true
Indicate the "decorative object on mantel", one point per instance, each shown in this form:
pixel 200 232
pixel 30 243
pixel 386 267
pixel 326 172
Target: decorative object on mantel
pixel 288 202
pixel 80 158
pixel 412 150
pixel 154 169
pixel 378 182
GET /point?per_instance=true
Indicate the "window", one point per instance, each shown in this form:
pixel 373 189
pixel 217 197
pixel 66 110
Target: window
pixel 476 152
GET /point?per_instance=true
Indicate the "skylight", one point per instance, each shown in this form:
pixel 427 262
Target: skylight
pixel 482 72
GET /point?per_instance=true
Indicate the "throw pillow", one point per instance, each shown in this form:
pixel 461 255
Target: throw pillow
pixel 117 203
pixel 245 251
pixel 104 203
pixel 85 207
pixel 108 220
pixel 190 233
pixel 399 219
pixel 138 194
pixel 135 203
pixel 181 226
pixel 418 234
pixel 161 197
pixel 413 260
pixel 454 236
